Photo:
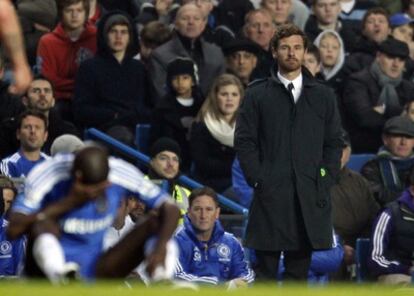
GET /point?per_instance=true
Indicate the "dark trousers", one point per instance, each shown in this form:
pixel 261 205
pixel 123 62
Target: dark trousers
pixel 296 265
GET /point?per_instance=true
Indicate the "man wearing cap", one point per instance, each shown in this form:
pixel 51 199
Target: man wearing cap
pixel 403 30
pixel 388 173
pixel 241 58
pixel 376 94
pixel 110 88
pixel 165 156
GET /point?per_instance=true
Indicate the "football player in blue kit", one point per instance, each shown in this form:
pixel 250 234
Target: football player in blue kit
pixel 71 200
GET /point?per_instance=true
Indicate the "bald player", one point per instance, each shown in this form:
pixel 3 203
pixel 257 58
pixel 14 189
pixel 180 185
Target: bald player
pixel 68 204
pixel 11 38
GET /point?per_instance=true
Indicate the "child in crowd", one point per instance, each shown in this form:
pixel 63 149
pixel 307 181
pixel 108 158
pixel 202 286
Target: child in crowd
pixel 332 51
pixel 312 61
pixel 175 112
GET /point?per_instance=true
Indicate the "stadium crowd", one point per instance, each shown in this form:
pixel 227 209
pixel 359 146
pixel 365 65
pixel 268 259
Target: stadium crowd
pixel 263 101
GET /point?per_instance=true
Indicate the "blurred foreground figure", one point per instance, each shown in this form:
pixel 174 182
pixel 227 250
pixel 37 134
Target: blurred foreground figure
pixel 68 204
pixel 11 38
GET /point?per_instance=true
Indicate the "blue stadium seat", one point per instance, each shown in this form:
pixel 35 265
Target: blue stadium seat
pixel 361 258
pixel 142 133
pixel 357 161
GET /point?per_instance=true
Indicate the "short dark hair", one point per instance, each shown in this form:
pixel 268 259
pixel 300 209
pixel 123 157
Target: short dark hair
pixel 314 50
pixel 285 31
pixel 203 191
pixel 41 77
pixel 92 163
pixel 31 112
pixel 62 4
pixel 375 10
pixel 155 34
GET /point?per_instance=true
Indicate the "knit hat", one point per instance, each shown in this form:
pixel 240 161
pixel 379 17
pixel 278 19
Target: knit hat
pixel 66 144
pixel 43 12
pixel 394 48
pixel 181 66
pixel 165 144
pixel 241 44
pixel 116 19
pixel 399 125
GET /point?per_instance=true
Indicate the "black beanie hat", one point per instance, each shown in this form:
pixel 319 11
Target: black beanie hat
pixel 181 66
pixel 165 144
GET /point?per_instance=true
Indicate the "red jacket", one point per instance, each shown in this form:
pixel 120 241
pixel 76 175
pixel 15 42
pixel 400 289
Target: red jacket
pixel 58 57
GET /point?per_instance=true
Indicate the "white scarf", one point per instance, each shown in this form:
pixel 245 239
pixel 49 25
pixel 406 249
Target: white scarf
pixel 220 130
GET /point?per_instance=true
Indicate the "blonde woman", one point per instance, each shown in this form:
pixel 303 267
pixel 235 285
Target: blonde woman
pixel 212 133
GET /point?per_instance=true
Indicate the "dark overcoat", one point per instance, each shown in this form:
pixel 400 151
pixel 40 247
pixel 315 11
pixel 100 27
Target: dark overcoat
pixel 290 153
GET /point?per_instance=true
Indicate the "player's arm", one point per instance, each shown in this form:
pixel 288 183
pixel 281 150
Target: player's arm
pixel 11 37
pixel 169 214
pixel 80 193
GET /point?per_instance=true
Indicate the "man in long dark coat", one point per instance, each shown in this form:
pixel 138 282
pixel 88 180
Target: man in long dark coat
pixel 288 139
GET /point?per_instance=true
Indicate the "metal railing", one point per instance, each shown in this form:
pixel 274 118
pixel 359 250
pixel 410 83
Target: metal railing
pixel 94 134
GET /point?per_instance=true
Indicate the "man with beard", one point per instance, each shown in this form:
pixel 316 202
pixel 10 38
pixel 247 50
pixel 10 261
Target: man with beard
pixel 289 142
pixel 165 161
pixel 39 97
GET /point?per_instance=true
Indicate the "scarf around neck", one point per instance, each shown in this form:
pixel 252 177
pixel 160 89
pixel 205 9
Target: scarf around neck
pixel 390 166
pixel 220 130
pixel 388 96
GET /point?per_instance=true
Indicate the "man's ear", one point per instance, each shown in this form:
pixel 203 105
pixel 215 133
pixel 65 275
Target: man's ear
pixel 218 213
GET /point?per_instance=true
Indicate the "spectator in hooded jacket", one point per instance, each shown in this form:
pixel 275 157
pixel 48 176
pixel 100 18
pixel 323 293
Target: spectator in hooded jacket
pixel 111 87
pixel 332 53
pixel 61 52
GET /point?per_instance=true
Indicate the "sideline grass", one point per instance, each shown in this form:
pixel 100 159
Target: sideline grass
pixel 26 288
